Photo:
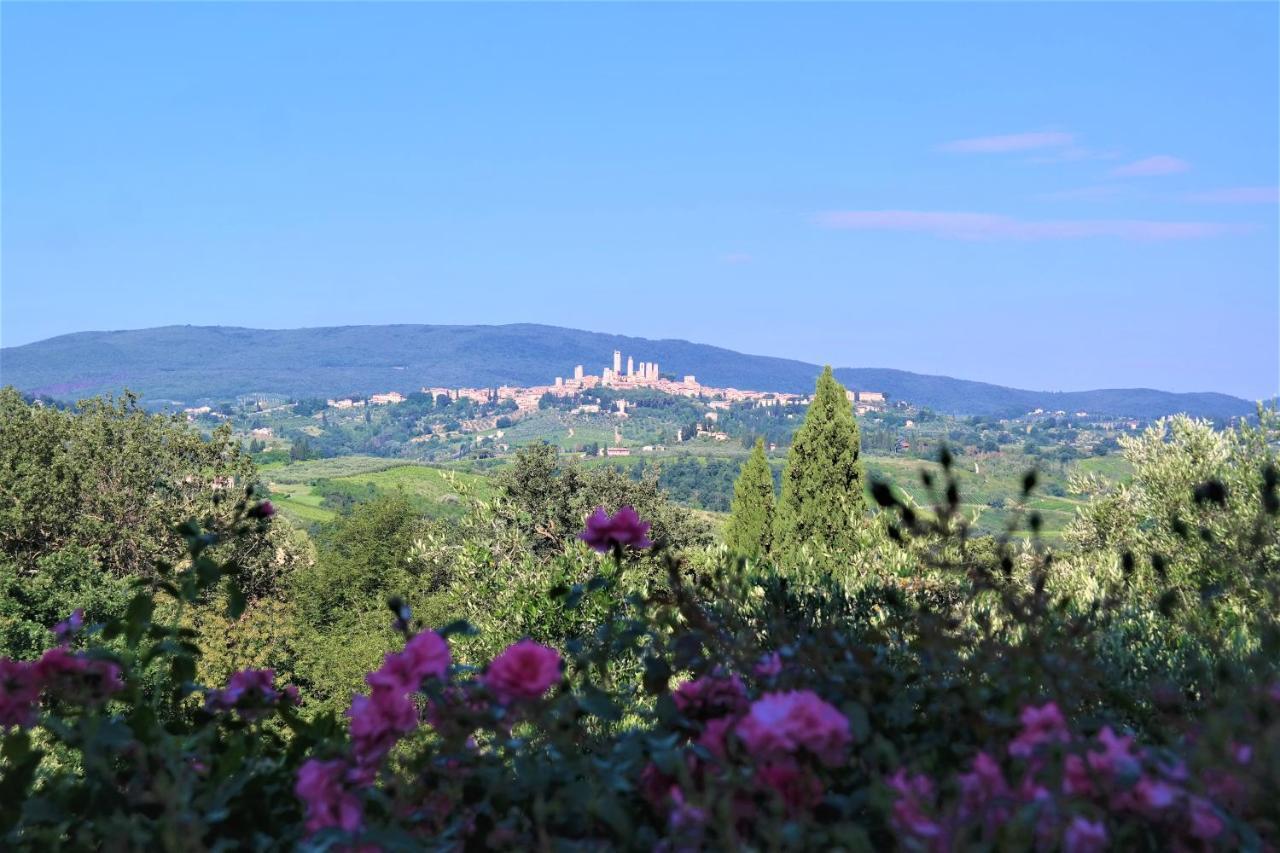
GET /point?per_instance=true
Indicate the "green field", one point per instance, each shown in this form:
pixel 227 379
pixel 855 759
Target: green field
pixel 316 469
pixel 439 492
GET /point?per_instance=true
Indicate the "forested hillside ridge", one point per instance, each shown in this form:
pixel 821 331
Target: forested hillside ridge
pixel 574 660
pixel 199 364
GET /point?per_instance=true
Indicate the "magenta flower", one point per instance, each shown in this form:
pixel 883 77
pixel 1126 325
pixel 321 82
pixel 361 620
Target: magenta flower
pixel 714 736
pixel 769 666
pixel 427 654
pixel 1076 778
pixel 523 671
pixel 251 692
pixel 711 696
pixel 1084 836
pixel 782 723
pixel 1205 823
pixel 1039 726
pixel 1153 795
pixel 262 509
pixel 796 786
pixel 982 787
pixel 321 788
pixel 65 630
pixel 78 678
pixel 909 816
pixel 1116 755
pixel 624 529
pixel 378 721
pixel 19 693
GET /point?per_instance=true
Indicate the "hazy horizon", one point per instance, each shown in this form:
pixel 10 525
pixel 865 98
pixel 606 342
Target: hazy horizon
pixel 934 189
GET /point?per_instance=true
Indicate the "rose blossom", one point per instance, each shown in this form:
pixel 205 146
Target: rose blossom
pixel 524 670
pixel 250 692
pixel 76 677
pixel 69 627
pixel 981 786
pixel 797 787
pixel 1205 823
pixel 781 723
pixel 377 722
pixel 908 810
pixel 769 666
pixel 1084 836
pixel 1116 755
pixel 714 734
pixel 1039 726
pixel 19 693
pixel 711 696
pixel 624 528
pixel 320 786
pixel 426 654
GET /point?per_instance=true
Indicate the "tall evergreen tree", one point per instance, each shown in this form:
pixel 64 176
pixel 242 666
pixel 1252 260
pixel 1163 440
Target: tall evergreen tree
pixel 750 528
pixel 822 487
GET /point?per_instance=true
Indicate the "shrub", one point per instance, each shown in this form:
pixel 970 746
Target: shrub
pixel 709 707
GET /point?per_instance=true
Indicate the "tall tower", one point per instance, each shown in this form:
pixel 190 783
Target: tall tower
pixel 617 362
pixel 577 373
pixel 654 367
pixel 631 366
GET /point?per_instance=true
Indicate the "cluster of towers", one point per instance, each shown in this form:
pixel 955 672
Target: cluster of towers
pixel 646 370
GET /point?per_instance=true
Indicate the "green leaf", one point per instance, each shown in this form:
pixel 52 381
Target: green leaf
pixel 235 599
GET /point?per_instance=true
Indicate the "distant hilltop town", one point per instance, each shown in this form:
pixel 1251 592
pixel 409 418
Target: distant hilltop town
pixel 643 374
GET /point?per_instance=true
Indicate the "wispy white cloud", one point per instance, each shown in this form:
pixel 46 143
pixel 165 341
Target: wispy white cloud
pixel 1237 195
pixel 1161 164
pixel 988 226
pixel 1009 142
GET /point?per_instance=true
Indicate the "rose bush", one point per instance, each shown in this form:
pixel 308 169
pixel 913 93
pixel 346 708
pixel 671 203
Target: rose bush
pixel 717 708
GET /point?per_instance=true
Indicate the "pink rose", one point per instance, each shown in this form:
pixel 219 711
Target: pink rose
pixel 524 670
pixel 377 722
pixel 1084 836
pixel 1205 823
pixel 251 692
pixel 77 677
pixel 19 692
pixel 65 630
pixel 624 528
pixel 427 654
pixel 711 696
pixel 321 788
pixel 782 723
pixel 909 816
pixel 1116 755
pixel 1041 725
pixel 797 787
pixel 1076 780
pixel 769 666
pixel 983 786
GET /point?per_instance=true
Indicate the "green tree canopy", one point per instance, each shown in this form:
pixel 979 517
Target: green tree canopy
pixel 750 528
pixel 822 487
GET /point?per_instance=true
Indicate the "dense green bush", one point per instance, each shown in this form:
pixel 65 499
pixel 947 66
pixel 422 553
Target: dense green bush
pixel 758 710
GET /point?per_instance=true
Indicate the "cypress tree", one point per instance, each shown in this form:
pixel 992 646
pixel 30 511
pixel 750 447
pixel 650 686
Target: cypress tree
pixel 750 528
pixel 822 487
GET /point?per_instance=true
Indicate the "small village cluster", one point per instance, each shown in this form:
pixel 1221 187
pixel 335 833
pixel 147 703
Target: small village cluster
pixel 634 375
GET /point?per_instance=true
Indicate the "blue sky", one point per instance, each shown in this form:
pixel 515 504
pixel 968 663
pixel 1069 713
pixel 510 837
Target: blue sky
pixel 1057 196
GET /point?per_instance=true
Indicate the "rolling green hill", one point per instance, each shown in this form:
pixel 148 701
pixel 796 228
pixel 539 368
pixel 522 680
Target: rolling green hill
pixel 191 364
